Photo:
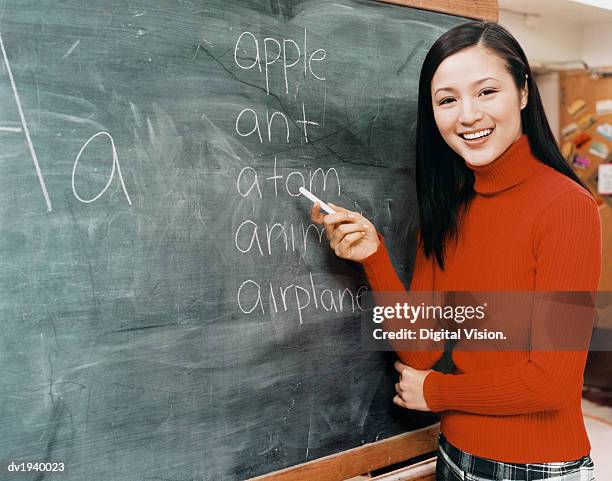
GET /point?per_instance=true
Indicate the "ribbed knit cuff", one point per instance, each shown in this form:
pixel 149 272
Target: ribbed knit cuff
pixel 381 256
pixel 433 391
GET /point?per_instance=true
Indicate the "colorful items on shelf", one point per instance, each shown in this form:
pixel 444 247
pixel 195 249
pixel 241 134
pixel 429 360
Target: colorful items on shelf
pixel 605 130
pixel 599 149
pixel 581 139
pixel 569 129
pixel 568 149
pixel 586 121
pixel 603 107
pixel 581 161
pixel 576 107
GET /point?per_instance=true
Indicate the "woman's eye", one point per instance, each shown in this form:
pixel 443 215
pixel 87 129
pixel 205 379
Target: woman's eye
pixel 488 91
pixel 446 100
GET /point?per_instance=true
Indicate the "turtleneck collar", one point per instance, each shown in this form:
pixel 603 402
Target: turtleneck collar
pixel 511 168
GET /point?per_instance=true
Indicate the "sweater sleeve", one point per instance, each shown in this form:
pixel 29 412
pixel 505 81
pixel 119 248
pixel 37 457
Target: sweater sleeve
pixel 388 288
pixel 567 248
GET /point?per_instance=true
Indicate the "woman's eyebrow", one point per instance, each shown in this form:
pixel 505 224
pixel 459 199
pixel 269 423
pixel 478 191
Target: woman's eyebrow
pixel 477 82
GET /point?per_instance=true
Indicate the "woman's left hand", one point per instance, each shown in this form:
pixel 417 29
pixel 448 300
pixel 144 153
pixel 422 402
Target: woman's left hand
pixel 410 387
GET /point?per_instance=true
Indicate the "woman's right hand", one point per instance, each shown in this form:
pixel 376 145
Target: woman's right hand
pixel 350 234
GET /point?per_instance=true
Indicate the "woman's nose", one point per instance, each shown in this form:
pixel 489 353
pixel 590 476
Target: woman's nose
pixel 470 113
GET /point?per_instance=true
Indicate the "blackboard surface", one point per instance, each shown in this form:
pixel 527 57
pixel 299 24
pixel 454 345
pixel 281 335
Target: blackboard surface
pixel 167 312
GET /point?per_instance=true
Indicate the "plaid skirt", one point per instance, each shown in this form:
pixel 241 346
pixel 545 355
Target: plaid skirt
pixel 454 464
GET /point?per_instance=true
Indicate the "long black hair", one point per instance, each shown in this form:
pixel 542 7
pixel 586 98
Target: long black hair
pixel 445 185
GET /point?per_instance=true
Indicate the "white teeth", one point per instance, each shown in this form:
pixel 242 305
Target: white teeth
pixel 477 135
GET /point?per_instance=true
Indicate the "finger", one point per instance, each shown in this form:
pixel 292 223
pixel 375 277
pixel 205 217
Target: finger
pixel 345 240
pixel 333 235
pixel 344 247
pixel 352 227
pixel 400 402
pixel 339 217
pixel 398 388
pixel 338 233
pixel 351 214
pixel 400 367
pixel 345 215
pixel 315 214
pixel 349 239
pixel 329 232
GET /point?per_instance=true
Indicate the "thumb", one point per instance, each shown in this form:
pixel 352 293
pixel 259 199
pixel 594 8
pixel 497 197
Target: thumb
pixel 401 367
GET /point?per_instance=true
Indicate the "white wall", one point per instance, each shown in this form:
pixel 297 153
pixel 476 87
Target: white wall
pixel 549 86
pixel 597 45
pixel 553 40
pixel 549 41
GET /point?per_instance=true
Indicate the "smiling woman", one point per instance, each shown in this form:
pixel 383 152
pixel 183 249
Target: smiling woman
pixel 477 105
pixel 499 210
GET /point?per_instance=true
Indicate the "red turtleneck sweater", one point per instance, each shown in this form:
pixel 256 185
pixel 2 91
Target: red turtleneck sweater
pixel 529 228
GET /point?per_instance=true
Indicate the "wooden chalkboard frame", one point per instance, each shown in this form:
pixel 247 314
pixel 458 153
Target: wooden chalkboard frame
pixel 380 454
pixel 476 9
pixel 356 461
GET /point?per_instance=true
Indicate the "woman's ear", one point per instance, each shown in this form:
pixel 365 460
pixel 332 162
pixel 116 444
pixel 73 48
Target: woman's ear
pixel 524 93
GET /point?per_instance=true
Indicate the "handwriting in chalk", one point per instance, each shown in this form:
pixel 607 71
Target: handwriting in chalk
pixel 247 237
pixel 247 47
pixel 250 298
pixel 116 167
pixel 248 181
pixel 41 179
pixel 282 57
pixel 251 118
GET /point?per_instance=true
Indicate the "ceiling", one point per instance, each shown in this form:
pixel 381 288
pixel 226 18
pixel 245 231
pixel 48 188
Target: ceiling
pixel 563 10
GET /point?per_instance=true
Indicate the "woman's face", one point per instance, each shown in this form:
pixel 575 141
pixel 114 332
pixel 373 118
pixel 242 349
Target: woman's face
pixel 476 105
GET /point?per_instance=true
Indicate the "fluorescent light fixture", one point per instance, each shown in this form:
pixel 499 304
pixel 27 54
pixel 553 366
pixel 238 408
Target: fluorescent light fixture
pixel 605 4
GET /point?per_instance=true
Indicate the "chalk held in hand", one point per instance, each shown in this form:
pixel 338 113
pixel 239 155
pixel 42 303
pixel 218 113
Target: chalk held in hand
pixel 310 196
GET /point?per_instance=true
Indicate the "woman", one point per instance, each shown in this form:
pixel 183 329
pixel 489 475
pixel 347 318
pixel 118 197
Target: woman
pixel 500 210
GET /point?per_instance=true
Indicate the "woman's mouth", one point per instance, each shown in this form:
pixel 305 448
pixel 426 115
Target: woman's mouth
pixel 476 137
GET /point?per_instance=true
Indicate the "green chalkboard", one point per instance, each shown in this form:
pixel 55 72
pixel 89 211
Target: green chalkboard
pixel 167 310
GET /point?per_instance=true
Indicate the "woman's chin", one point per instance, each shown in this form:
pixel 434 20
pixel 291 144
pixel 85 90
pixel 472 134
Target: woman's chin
pixel 479 163
pixel 478 160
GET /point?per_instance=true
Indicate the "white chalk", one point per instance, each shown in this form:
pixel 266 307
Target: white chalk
pixel 310 196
